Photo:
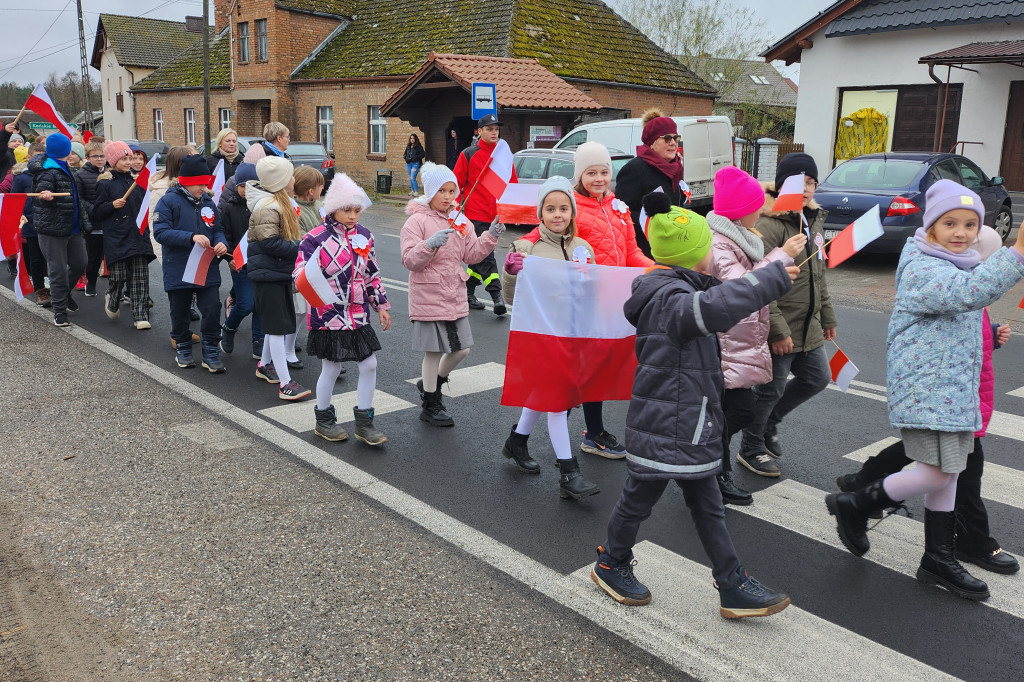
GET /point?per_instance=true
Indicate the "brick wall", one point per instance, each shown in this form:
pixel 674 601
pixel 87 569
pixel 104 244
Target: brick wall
pixel 173 105
pixel 636 101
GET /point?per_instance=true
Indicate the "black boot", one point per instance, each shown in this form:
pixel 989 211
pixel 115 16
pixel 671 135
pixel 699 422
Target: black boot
pixel 327 425
pixel 571 482
pixel 852 511
pixel 515 449
pixel 227 339
pixel 365 430
pixel 849 483
pixel 183 354
pixel 939 565
pixel 731 493
pixel 499 303
pixel 211 358
pixel 474 302
pixel 433 409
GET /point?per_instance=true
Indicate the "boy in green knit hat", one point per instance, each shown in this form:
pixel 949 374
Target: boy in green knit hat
pixel 675 421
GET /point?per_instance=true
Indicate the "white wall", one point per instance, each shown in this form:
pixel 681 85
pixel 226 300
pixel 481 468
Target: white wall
pixel 117 125
pixel 889 59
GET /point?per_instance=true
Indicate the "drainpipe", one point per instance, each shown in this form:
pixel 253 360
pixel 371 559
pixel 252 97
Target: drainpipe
pixel 939 111
pixel 135 123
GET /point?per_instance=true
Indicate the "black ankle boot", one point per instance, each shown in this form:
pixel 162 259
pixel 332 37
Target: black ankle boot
pixel 365 430
pixel 571 482
pixel 515 449
pixel 849 483
pixel 433 411
pixel 499 303
pixel 474 302
pixel 852 511
pixel 731 493
pixel 939 565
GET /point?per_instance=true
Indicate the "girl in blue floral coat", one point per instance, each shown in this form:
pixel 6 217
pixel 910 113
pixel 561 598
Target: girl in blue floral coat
pixel 934 356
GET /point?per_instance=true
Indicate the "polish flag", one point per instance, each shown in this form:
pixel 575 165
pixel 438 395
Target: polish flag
pixel 217 182
pixel 791 194
pixel 41 103
pixel 198 265
pixel 855 237
pixel 11 208
pixel 586 352
pixel 313 285
pixel 23 283
pixel 459 221
pixel 498 173
pixel 241 253
pixel 843 371
pixel 517 205
pixel 142 220
pixel 646 219
pixel 86 136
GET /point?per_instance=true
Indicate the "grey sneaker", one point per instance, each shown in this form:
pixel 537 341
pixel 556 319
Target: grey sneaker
pixel 761 463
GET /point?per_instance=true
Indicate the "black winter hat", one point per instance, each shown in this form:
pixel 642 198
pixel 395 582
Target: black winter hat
pixel 194 171
pixel 657 202
pixel 795 164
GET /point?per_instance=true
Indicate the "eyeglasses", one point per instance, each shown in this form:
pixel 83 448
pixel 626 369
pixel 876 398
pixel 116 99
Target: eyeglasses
pixel 96 156
pixel 810 183
pixel 670 138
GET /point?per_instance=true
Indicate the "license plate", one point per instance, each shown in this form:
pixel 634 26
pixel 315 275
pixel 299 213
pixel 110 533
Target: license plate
pixel 830 234
pixel 698 190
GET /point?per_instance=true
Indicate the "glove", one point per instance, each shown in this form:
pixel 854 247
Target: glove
pixel 496 229
pixel 513 262
pixel 439 239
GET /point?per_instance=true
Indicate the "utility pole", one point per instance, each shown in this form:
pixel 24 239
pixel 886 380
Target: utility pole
pixel 86 84
pixel 206 75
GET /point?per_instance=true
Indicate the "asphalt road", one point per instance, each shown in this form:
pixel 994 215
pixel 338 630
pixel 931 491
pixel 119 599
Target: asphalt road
pixel 786 539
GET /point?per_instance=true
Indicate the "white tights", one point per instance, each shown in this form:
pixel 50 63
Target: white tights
pixel 558 429
pixel 938 487
pixel 274 350
pixel 289 340
pixel 440 364
pixel 329 372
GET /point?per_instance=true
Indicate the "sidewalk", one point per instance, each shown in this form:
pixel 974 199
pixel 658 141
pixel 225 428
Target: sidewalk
pixel 147 539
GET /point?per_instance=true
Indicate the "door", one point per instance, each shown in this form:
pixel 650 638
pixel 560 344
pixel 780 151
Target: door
pixel 1012 165
pixel 914 128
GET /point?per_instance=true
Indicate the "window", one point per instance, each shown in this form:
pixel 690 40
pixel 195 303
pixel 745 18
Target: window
pixel 574 140
pixel 562 167
pixel 225 118
pixel 718 76
pixel 945 170
pixel 760 80
pixel 325 126
pixel 973 177
pixel 119 98
pixel 531 168
pixel 378 132
pixel 158 124
pixel 190 126
pixel 261 40
pixel 243 41
pixel 108 89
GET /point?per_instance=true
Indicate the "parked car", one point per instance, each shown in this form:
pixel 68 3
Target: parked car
pixel 534 166
pixel 313 154
pixel 155 148
pixel 243 144
pixel 896 182
pixel 706 143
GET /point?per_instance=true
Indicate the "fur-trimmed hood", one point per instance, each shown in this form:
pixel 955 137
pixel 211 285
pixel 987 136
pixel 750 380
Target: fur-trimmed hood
pixel 769 200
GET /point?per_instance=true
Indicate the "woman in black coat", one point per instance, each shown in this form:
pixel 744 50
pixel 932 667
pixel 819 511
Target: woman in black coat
pixel 226 150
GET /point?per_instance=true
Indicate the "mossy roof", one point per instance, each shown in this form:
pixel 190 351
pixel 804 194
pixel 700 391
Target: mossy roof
pixel 186 70
pixel 336 8
pixel 140 41
pixel 581 39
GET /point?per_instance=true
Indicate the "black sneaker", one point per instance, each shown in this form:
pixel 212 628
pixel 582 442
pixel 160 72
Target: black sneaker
pixel 295 364
pixel 71 306
pixel 761 463
pixel 618 581
pixel 731 493
pixel 772 445
pixel 293 390
pixel 61 320
pixel 268 373
pixel 749 599
pixel 112 305
pixel 90 289
pixel 604 445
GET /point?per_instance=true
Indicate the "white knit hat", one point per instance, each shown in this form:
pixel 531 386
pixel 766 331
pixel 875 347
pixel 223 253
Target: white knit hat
pixel 433 176
pixel 556 183
pixel 590 154
pixel 274 173
pixel 344 193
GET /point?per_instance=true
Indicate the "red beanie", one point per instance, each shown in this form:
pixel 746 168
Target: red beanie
pixel 656 127
pixel 737 193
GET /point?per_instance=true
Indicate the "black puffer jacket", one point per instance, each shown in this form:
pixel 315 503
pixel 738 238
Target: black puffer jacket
pixel 89 175
pixel 121 238
pixel 61 216
pixel 675 421
pixel 234 215
pixel 636 180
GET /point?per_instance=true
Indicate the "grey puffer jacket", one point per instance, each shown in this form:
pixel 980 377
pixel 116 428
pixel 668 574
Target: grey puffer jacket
pixel 675 421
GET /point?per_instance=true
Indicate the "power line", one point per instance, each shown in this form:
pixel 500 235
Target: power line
pixel 52 24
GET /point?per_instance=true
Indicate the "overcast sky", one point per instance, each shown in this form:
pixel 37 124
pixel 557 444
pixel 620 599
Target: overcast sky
pixel 43 34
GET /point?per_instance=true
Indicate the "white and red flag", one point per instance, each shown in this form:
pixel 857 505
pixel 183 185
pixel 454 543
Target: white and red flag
pixel 498 173
pixel 791 194
pixel 241 253
pixel 517 205
pixel 11 208
pixel 41 103
pixel 459 222
pixel 142 220
pixel 313 284
pixel 198 265
pixel 843 371
pixel 585 353
pixel 22 283
pixel 217 182
pixel 855 237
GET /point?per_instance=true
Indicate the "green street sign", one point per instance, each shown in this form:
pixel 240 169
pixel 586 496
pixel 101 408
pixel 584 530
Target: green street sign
pixel 42 125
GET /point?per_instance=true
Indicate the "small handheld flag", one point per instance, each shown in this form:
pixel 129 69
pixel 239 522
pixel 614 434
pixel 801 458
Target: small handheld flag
pixel 241 254
pixel 313 285
pixel 856 236
pixel 518 204
pixel 142 220
pixel 198 265
pixel 791 194
pixel 217 182
pixel 498 173
pixel 459 222
pixel 23 283
pixel 843 371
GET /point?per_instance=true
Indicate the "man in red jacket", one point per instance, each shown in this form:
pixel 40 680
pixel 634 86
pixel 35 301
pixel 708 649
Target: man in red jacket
pixel 481 208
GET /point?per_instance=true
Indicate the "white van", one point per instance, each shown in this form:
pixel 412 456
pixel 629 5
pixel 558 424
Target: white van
pixel 705 141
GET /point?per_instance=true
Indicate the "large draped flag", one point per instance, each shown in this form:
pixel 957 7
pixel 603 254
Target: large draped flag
pixel 498 173
pixel 11 208
pixel 517 205
pixel 569 340
pixel 41 103
pixel 142 220
pixel 23 283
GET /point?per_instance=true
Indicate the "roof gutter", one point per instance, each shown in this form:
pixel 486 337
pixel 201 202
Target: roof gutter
pixel 352 80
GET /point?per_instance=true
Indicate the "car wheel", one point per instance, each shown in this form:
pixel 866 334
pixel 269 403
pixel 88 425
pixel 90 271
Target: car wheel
pixel 1003 222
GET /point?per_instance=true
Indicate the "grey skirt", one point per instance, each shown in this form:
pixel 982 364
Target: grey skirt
pixel 441 336
pixel 944 449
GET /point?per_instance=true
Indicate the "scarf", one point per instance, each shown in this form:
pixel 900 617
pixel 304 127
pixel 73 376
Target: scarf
pixel 965 261
pixel 673 169
pixel 229 159
pixel 748 242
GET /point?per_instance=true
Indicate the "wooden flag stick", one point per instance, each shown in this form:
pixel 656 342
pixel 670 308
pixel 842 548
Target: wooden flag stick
pixel 18 117
pixel 1014 316
pixel 56 194
pixel 130 189
pixel 801 264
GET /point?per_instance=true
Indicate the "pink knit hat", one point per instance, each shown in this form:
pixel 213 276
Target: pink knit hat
pixel 115 150
pixel 344 193
pixel 737 193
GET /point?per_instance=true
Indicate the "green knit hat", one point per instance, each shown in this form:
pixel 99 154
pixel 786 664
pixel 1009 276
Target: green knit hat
pixel 677 236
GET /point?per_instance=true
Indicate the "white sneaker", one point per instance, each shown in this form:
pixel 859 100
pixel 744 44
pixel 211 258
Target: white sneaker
pixel 143 324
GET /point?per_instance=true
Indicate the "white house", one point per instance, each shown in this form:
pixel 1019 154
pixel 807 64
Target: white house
pixel 126 50
pixel 950 67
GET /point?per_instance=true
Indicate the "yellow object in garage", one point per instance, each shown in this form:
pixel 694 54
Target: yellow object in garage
pixel 865 131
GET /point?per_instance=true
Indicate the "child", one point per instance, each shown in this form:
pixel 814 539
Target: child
pixel 273 245
pixel 675 421
pixel 127 252
pixel 139 159
pixel 933 345
pixel 185 216
pixel 344 252
pixel 556 209
pixel 235 219
pixel 438 306
pixel 309 186
pixel 89 173
pixel 737 249
pixel 801 322
pixel 22 184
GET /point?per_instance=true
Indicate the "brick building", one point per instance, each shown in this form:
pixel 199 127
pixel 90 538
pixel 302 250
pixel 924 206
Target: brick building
pixel 325 68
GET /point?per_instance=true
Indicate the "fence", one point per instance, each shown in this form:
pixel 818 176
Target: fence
pixel 761 157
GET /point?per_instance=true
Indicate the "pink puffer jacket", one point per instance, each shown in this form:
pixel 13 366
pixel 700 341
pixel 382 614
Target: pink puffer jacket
pixel 987 389
pixel 437 280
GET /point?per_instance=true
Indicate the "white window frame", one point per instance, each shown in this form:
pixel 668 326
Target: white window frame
pixel 243 41
pixel 225 118
pixel 262 41
pixel 325 126
pixel 158 124
pixel 378 132
pixel 190 126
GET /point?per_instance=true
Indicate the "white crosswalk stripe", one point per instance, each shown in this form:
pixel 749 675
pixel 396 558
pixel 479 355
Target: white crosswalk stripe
pixel 473 379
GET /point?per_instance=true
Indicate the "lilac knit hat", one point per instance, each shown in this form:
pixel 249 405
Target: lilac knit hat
pixel 945 196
